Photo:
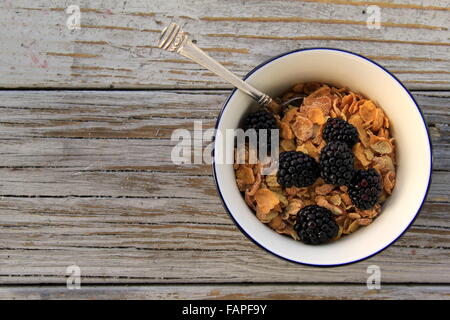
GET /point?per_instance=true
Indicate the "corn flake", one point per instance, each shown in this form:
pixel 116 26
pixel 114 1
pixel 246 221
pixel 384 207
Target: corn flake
pixel 266 200
pixel 389 181
pixel 316 115
pixel 381 145
pixel 303 128
pixel 285 131
pixel 245 174
pixel 367 111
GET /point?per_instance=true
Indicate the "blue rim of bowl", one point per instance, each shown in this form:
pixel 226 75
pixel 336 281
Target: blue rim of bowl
pixel 429 145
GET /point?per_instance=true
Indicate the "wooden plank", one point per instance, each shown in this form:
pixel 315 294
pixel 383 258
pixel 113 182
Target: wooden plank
pixel 155 224
pixel 123 130
pixel 124 155
pixel 170 240
pixel 86 179
pixel 229 292
pixel 116 45
pixel 133 265
pixel 108 212
pixel 64 182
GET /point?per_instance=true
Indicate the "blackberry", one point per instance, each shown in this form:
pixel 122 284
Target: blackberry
pixel 336 163
pixel 365 188
pixel 297 169
pixel 261 119
pixel 316 225
pixel 340 130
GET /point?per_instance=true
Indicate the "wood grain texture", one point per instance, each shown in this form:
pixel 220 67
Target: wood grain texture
pixel 171 240
pixel 230 292
pixel 86 176
pixel 87 180
pixel 123 130
pixel 116 46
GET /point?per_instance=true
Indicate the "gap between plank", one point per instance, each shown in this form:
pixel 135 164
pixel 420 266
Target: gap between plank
pixel 225 284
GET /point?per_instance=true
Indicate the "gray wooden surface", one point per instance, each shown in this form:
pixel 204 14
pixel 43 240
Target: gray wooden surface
pixel 85 125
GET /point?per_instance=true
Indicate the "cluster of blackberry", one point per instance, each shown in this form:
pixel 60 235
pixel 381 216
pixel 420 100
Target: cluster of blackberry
pixel 316 224
pixel 336 161
pixel 336 166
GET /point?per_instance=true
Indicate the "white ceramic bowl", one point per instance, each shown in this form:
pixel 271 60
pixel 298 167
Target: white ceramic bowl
pixel 413 147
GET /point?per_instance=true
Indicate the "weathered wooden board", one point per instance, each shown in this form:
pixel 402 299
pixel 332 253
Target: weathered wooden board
pixel 116 45
pixel 122 130
pixel 57 182
pixel 121 154
pixel 133 212
pixel 143 240
pixel 87 177
pixel 87 180
pixel 230 292
pixel 151 224
pixel 127 264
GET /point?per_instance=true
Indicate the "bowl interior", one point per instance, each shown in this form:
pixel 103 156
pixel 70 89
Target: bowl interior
pixel 413 151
